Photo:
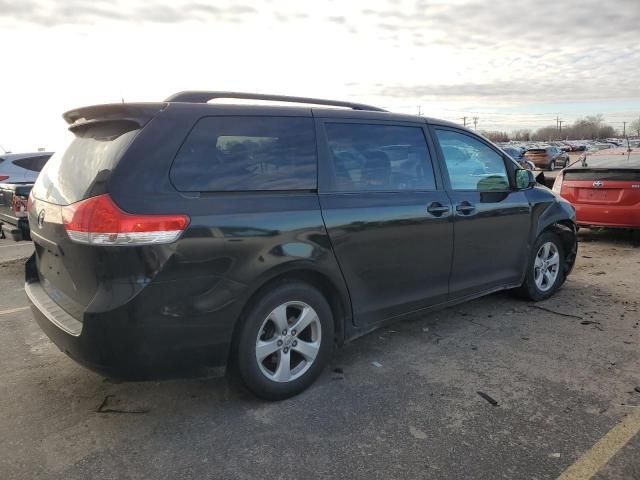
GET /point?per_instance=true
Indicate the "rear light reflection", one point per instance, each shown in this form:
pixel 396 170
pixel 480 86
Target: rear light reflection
pixel 99 221
pixel 557 184
pixel 3 177
pixel 30 201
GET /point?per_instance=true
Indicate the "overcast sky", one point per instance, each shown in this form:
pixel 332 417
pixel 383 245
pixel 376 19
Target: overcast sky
pixel 511 63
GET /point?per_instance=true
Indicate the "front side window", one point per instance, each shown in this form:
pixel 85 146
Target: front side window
pixel 379 158
pixel 247 153
pixel 471 164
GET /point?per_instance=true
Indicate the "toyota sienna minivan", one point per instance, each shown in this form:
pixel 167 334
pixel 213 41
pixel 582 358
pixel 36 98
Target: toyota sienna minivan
pixel 189 236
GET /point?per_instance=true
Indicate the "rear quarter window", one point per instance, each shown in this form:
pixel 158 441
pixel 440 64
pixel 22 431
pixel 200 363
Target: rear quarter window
pixel 82 169
pixel 247 153
pixel 33 164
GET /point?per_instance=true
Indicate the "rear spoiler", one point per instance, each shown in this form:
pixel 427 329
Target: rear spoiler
pixel 140 113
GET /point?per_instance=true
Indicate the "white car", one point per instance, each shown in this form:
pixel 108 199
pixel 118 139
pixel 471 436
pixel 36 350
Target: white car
pixel 22 167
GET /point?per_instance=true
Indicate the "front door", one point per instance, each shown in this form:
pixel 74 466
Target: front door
pixel 492 220
pixel 388 219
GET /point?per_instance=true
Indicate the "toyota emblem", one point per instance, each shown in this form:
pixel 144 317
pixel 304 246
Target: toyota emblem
pixel 41 218
pixel 598 183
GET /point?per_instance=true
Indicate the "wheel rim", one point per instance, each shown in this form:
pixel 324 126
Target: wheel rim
pixel 546 266
pixel 288 341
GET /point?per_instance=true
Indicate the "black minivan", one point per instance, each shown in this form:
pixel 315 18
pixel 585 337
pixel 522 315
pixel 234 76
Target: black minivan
pixel 182 237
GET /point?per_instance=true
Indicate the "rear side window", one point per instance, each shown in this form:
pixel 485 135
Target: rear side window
pixel 82 169
pixel 34 164
pixel 247 153
pixel 379 158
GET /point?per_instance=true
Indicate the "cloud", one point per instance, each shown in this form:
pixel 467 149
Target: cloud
pixel 82 12
pixel 394 52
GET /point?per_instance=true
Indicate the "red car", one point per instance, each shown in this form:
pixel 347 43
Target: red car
pixel 604 188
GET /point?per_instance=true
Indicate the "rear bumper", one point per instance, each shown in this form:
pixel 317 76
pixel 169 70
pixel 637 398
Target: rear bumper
pixel 119 344
pixel 613 216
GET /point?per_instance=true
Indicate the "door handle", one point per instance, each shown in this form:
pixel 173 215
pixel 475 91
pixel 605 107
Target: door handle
pixel 437 209
pixel 465 208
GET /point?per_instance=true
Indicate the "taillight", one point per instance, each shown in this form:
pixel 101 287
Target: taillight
pixel 557 184
pixel 3 177
pixel 30 201
pixel 99 221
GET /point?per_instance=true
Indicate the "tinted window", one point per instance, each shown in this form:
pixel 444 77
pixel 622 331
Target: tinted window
pixel 34 164
pixel 379 158
pixel 471 164
pixel 247 153
pixel 82 169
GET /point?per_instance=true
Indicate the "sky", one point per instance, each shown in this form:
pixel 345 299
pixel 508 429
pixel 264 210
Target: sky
pixel 512 64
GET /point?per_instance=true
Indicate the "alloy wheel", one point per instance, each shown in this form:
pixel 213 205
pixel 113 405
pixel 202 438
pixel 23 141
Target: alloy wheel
pixel 546 266
pixel 288 341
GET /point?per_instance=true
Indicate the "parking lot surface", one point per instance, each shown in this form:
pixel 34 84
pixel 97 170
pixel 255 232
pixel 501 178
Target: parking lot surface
pixel 495 388
pixel 10 250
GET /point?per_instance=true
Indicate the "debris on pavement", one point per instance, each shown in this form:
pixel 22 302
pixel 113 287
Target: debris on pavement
pixel 488 398
pixel 562 314
pixel 376 364
pixel 108 405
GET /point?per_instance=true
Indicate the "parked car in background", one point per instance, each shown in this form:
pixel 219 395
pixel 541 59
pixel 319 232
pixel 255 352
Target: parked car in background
pixel 604 188
pixel 176 237
pixel 22 167
pixel 518 156
pixel 547 158
pixel 13 210
pixel 594 147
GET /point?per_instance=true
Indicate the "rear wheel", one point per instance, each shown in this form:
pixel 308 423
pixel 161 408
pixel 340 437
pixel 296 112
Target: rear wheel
pixel 285 341
pixel 552 165
pixel 545 270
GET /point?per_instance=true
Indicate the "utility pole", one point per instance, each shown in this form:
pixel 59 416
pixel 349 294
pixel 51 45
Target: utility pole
pixel 560 122
pixel 624 129
pixel 464 121
pixel 475 123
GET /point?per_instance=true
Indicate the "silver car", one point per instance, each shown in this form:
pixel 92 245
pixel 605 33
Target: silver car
pixel 22 167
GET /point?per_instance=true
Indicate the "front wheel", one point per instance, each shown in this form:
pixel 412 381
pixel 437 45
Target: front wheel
pixel 285 341
pixel 545 269
pixel 552 165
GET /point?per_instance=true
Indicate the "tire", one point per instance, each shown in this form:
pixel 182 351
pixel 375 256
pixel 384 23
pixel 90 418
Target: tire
pixel 262 331
pixel 552 165
pixel 534 290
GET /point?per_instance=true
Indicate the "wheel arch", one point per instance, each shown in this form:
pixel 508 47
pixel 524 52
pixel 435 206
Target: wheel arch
pixel 337 296
pixel 566 230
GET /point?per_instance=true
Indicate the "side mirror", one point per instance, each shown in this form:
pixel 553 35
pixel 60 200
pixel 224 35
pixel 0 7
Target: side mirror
pixel 524 179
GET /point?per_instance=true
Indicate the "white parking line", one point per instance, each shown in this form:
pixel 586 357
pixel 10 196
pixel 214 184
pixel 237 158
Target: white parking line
pixel 14 310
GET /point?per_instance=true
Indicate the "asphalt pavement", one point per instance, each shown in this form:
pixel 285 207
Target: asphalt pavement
pixel 495 388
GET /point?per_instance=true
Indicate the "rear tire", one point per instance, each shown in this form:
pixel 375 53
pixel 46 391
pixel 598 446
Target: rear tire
pixel 285 341
pixel 545 269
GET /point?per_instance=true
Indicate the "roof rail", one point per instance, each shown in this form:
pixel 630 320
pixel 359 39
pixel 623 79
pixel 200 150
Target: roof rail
pixel 196 96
